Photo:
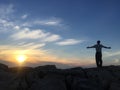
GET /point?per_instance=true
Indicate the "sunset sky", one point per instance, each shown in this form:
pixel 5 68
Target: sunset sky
pixel 58 31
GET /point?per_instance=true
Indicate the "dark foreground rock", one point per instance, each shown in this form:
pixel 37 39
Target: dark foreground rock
pixel 50 78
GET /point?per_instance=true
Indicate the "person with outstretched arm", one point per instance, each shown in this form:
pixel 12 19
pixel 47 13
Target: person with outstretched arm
pixel 98 55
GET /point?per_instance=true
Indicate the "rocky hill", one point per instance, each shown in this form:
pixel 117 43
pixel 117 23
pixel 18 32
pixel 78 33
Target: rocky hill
pixel 50 78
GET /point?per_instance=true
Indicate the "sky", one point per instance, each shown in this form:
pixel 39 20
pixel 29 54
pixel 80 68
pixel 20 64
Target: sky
pixel 58 32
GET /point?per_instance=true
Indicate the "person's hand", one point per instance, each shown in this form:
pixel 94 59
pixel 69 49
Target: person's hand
pixel 87 47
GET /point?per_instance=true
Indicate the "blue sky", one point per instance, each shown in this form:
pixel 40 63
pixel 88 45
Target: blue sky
pixel 59 31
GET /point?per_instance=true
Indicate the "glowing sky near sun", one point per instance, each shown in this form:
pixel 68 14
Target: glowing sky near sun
pixel 58 32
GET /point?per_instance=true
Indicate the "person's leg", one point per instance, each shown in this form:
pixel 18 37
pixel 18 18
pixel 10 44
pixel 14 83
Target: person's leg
pixel 100 59
pixel 100 63
pixel 97 59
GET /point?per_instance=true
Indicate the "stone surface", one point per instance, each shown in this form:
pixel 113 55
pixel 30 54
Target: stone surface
pixel 3 67
pixel 115 86
pixel 48 77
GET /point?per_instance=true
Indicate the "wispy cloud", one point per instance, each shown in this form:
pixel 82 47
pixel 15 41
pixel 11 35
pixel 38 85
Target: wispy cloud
pixel 5 26
pixel 117 61
pixel 31 46
pixel 49 22
pixel 16 27
pixel 24 16
pixel 110 54
pixel 69 42
pixel 6 11
pixel 26 33
pixel 52 38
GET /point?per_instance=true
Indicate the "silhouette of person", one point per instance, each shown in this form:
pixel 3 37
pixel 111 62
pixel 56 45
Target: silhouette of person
pixel 98 55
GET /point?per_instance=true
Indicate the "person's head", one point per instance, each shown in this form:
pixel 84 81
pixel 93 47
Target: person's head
pixel 98 42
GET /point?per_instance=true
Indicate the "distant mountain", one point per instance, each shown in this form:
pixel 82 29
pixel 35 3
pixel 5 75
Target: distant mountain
pixel 58 65
pixel 6 62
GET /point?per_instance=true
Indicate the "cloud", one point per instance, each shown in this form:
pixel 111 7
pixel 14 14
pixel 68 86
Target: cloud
pixel 24 16
pixel 31 46
pixel 49 22
pixel 6 23
pixel 29 34
pixel 110 54
pixel 117 60
pixel 69 42
pixel 26 33
pixel 52 38
pixel 6 26
pixel 6 10
pixel 16 27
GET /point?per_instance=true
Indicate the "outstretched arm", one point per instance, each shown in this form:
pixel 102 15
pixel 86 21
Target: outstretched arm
pixel 91 46
pixel 106 47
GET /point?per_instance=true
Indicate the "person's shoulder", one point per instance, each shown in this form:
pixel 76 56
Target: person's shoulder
pixel 101 45
pixel 95 45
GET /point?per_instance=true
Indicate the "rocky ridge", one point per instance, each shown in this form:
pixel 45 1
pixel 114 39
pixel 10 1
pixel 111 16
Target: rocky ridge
pixel 48 77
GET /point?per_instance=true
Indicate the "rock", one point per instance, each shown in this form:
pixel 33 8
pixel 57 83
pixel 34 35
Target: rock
pixel 102 75
pixel 46 67
pixel 6 79
pixel 14 84
pixel 3 67
pixel 115 86
pixel 78 71
pixel 84 84
pixel 69 81
pixel 50 82
pixel 48 77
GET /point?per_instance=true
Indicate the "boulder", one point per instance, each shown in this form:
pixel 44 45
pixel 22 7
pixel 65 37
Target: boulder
pixel 84 84
pixel 115 86
pixel 46 67
pixel 3 67
pixel 50 82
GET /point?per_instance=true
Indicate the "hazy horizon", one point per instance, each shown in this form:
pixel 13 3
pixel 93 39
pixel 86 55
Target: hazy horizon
pixel 42 32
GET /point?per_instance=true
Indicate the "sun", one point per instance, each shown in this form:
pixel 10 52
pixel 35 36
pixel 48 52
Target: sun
pixel 21 58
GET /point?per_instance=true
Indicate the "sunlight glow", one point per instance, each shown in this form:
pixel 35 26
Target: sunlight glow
pixel 21 58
